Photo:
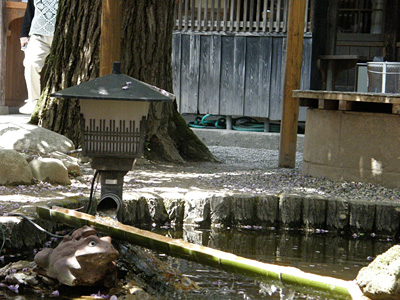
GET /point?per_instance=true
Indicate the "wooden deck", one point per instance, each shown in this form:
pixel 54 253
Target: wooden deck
pixel 353 101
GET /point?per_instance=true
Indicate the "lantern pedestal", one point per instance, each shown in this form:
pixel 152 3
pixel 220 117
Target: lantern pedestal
pixel 110 202
pixel 112 171
pixel 112 163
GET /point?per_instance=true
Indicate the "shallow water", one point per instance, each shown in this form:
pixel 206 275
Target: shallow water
pixel 319 253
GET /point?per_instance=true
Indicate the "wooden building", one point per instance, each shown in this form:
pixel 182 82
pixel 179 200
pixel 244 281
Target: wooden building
pixel 366 28
pixel 229 55
pixel 12 83
pixel 351 135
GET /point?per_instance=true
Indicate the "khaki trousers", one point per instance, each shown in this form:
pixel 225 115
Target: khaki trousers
pixel 35 55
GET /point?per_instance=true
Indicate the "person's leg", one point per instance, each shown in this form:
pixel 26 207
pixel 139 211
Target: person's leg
pixel 35 55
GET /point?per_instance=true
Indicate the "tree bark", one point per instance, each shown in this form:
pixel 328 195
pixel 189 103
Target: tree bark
pixel 146 47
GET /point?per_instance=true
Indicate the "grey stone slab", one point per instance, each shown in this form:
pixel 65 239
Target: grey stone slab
pixel 314 212
pixel 267 210
pixel 243 210
pixel 291 211
pixel 337 215
pixel 387 218
pixel 198 209
pixel 221 210
pixel 362 216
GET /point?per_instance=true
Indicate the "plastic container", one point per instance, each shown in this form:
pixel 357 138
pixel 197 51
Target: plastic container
pixel 383 77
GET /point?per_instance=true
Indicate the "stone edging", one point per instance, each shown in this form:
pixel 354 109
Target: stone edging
pixel 286 211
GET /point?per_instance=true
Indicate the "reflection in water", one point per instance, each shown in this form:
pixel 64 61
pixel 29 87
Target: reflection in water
pixel 319 253
pixel 110 213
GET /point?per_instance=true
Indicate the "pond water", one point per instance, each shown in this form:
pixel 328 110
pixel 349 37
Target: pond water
pixel 319 253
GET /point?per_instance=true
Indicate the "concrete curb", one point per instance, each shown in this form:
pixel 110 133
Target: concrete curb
pixel 243 139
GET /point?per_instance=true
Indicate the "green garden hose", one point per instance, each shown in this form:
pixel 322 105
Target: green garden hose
pixel 205 122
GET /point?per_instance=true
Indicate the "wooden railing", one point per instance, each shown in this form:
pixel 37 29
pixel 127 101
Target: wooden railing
pixel 234 15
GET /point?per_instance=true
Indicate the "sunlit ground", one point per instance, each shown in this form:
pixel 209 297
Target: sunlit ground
pixel 235 173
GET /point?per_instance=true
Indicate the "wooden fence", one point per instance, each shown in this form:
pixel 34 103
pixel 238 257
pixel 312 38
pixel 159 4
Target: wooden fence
pixel 230 60
pixel 233 15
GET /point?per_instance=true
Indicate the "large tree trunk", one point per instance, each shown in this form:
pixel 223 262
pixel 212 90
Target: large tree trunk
pixel 145 54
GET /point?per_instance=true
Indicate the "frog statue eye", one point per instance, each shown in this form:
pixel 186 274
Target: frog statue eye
pixel 92 244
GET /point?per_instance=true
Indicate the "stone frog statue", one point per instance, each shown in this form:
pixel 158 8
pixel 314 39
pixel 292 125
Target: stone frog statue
pixel 82 258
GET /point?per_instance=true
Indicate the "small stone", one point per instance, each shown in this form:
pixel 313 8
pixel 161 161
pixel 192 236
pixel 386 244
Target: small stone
pixel 49 170
pixel 13 168
pixel 381 278
pixel 71 163
pixel 48 281
pixel 31 280
pixel 28 137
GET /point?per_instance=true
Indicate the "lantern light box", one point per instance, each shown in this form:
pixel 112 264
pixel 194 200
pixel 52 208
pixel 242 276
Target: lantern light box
pixel 114 111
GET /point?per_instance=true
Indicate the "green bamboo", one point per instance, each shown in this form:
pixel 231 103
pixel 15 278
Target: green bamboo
pixel 288 276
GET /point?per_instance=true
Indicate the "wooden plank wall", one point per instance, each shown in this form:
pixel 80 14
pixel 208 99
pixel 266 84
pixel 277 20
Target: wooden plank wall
pixel 369 47
pixel 233 74
pixel 234 15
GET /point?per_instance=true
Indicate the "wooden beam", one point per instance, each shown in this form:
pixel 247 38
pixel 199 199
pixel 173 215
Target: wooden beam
pixel 347 96
pixel 110 39
pixel 294 57
pixel 396 109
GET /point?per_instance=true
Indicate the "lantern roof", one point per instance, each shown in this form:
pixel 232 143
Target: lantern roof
pixel 115 86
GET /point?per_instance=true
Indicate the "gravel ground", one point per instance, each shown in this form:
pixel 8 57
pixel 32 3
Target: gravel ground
pixel 255 171
pixel 240 170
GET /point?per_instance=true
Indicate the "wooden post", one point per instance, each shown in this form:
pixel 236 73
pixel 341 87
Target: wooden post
pixel 110 39
pixel 319 30
pixel 391 31
pixel 330 48
pixel 294 57
pixel 3 50
pixel 332 24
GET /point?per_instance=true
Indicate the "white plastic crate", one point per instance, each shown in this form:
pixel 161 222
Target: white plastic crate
pixel 383 77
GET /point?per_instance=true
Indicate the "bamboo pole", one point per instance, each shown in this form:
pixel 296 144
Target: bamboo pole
pixel 289 276
pixel 294 57
pixel 110 38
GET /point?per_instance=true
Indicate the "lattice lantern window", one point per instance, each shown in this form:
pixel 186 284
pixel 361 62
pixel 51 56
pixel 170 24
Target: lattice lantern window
pixel 113 127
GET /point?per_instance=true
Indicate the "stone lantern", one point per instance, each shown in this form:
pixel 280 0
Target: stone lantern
pixel 114 111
